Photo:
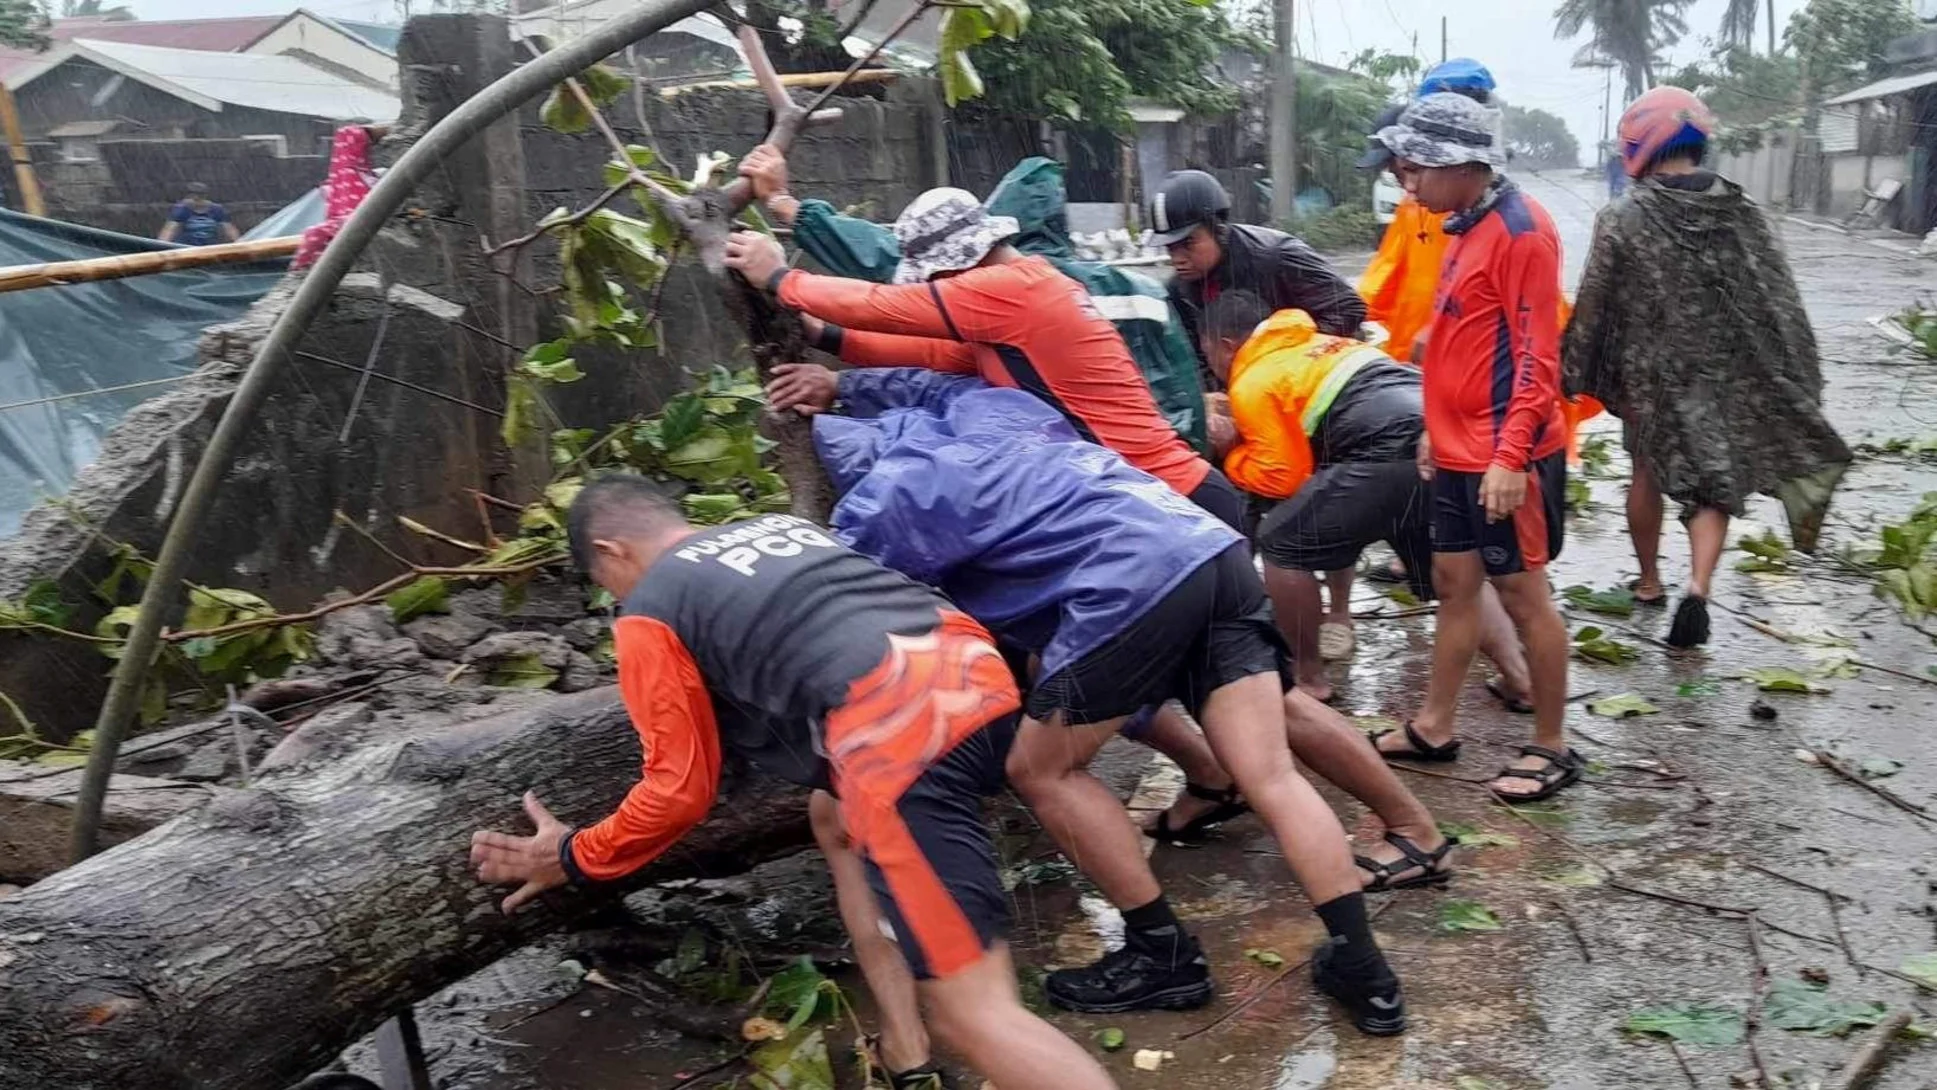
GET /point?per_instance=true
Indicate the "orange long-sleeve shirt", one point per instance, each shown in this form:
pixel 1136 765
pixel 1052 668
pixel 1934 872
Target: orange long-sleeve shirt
pixel 1403 278
pixel 1021 324
pixel 1492 363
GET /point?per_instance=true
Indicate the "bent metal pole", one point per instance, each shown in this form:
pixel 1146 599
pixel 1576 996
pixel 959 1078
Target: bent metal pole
pixel 470 117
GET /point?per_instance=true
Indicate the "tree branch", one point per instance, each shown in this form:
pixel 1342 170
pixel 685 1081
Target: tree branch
pixel 574 219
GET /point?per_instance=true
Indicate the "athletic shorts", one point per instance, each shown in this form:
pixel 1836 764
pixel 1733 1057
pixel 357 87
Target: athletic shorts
pixel 1528 540
pixel 1213 629
pixel 1221 498
pixel 1347 506
pixel 920 741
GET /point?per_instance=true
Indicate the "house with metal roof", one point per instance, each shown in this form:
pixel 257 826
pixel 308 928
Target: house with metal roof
pixel 365 51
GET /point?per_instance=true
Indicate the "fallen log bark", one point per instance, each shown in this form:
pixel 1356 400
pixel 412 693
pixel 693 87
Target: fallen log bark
pixel 243 946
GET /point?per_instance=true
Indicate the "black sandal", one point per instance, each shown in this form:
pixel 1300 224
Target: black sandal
pixel 1515 704
pixel 1422 750
pixel 1562 770
pixel 1430 867
pixel 929 1076
pixel 1230 804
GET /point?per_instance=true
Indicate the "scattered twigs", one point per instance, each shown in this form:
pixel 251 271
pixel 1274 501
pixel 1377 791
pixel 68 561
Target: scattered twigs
pixel 1439 775
pixel 734 1060
pixel 1681 1061
pixel 1835 764
pixel 914 12
pixel 1758 985
pixel 1773 632
pixel 1258 993
pixel 1573 927
pixel 1834 899
pixel 350 524
pixel 403 382
pixel 1869 1060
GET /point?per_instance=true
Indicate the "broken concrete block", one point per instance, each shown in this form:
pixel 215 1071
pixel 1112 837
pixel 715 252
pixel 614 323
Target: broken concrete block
pixel 447 635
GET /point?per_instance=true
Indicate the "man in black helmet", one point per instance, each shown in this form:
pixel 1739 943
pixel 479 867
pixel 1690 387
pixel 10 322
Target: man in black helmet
pixel 1190 215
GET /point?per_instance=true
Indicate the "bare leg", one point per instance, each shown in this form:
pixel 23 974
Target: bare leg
pixel 980 1015
pixel 1530 602
pixel 1172 735
pixel 1325 743
pixel 1500 643
pixel 1457 577
pixel 1644 528
pixel 1245 724
pixel 1706 533
pixel 1049 767
pixel 1338 592
pixel 904 1041
pixel 1295 599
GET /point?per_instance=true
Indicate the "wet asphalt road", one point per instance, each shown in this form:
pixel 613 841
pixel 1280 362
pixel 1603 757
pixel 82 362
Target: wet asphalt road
pixel 1701 802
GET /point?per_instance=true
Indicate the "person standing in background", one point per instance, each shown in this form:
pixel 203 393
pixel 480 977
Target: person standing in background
pixel 197 221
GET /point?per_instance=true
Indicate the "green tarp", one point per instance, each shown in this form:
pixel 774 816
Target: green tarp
pixel 90 337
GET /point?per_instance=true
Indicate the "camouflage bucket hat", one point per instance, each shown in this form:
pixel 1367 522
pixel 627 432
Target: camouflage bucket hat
pixel 1447 130
pixel 947 230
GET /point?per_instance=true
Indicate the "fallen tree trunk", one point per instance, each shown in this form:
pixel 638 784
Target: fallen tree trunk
pixel 243 946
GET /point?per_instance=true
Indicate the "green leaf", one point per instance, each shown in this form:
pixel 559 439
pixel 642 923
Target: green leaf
pixel 680 421
pixel 1876 768
pixel 1767 553
pixel 1688 1023
pixel 1579 494
pixel 1110 1039
pixel 1270 959
pixel 1782 679
pixel 551 361
pixel 56 758
pixel 429 594
pixel 522 672
pixel 1701 686
pixel 154 700
pixel 1622 706
pixel 691 953
pixel 1796 1004
pixel 1615 601
pixel 795 1062
pixel 1458 915
pixel 800 982
pixel 1403 597
pixel 568 444
pixel 1471 1082
pixel 560 494
pixel 115 627
pixel 1923 967
pixel 520 409
pixel 1472 836
pixel 1593 645
pixel 562 112
pixel 1576 877
pixel 711 508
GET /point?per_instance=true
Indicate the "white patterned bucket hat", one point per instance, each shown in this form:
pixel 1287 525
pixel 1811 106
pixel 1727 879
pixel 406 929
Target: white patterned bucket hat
pixel 947 230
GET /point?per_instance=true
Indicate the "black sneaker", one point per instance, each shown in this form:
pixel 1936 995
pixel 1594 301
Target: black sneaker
pixel 1691 623
pixel 927 1077
pixel 1370 993
pixel 1133 979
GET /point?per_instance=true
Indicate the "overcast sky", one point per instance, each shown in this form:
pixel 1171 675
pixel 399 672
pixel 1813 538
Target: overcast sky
pixel 1514 37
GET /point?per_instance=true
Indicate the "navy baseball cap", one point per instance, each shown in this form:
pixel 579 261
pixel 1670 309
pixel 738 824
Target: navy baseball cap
pixel 1377 156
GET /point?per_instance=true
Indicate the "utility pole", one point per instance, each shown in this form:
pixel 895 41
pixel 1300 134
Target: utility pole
pixel 1442 39
pixel 1607 106
pixel 1284 112
pixel 23 163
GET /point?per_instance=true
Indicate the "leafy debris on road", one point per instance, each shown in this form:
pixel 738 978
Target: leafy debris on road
pixel 1797 1004
pixel 1875 768
pixel 1701 686
pixel 1110 1039
pixel 1688 1023
pixel 1457 915
pixel 1783 679
pixel 1472 836
pixel 1622 706
pixel 1614 601
pixel 1594 645
pixel 1922 968
pixel 1270 959
pixel 1767 553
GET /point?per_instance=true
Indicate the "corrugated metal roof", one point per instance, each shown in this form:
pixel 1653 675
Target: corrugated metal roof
pixel 1884 88
pixel 211 80
pixel 214 35
pixel 381 35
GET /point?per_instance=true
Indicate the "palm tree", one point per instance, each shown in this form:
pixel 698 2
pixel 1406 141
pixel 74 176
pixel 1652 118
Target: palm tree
pixel 1738 23
pixel 1630 33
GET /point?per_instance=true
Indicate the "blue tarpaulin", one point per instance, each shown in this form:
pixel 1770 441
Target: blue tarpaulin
pixel 82 338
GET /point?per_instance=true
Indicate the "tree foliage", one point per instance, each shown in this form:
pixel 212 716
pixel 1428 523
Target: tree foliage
pixel 1086 59
pixel 23 25
pixel 1840 43
pixel 96 9
pixel 1540 140
pixel 1745 89
pixel 1628 34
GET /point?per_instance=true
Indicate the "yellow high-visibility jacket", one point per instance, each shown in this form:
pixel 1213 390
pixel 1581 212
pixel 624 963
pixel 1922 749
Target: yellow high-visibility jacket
pixel 1283 379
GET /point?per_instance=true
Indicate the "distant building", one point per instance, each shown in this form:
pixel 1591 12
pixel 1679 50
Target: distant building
pixel 363 51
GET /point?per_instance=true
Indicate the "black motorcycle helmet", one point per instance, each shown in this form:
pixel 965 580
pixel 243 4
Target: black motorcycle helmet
pixel 1184 200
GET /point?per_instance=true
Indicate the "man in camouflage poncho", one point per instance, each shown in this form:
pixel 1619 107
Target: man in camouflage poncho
pixel 1689 327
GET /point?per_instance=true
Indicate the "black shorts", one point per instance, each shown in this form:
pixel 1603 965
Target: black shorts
pixel 1347 506
pixel 1530 539
pixel 1213 629
pixel 933 866
pixel 1221 498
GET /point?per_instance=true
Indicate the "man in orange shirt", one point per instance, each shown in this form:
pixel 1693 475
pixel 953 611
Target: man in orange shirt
pixel 1495 442
pixel 734 637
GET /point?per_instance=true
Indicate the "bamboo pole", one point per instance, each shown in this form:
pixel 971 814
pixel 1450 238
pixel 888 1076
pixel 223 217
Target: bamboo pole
pixel 790 79
pixel 53 273
pixel 23 164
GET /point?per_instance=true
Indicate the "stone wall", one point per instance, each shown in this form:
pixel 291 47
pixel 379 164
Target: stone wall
pixel 132 184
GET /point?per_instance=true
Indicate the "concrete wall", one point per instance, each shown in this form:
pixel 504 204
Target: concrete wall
pixel 1851 175
pixel 131 184
pixel 1765 172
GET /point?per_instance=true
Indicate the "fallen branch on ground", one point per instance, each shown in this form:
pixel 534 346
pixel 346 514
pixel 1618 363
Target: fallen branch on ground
pixel 1869 1060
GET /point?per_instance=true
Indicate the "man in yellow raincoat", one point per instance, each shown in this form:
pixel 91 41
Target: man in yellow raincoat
pixel 1330 426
